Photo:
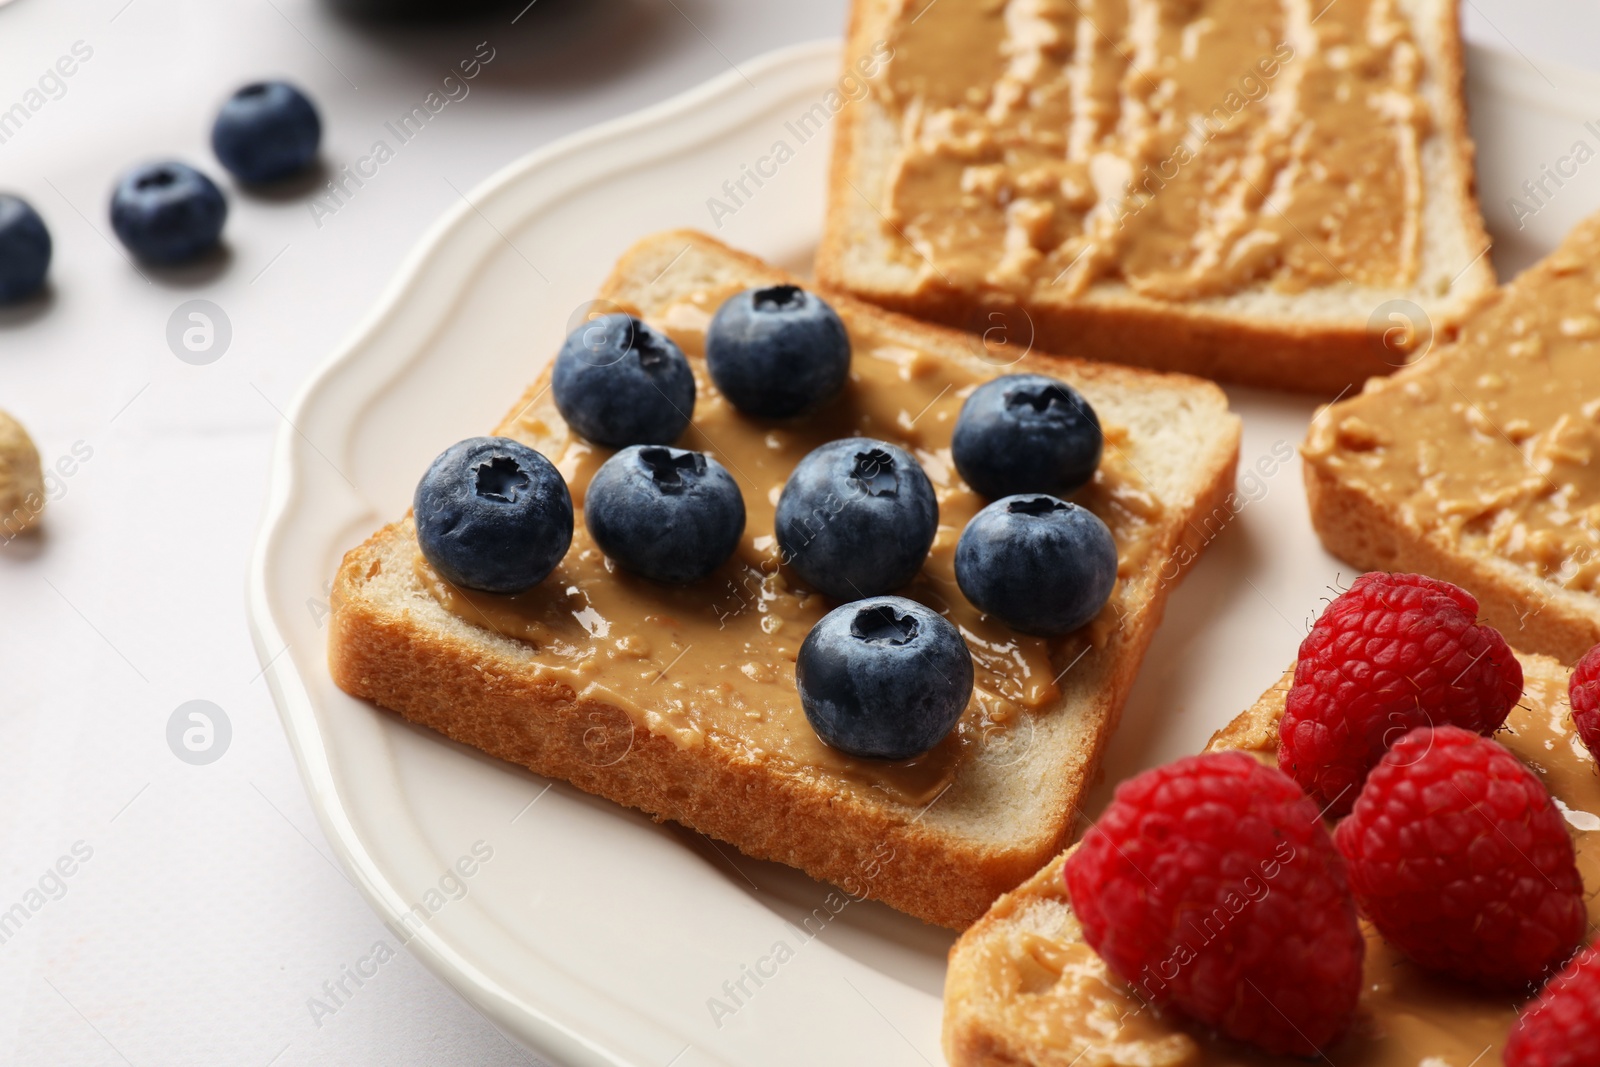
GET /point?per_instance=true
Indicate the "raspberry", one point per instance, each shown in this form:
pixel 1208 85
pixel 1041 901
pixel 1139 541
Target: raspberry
pixel 1562 1027
pixel 1583 692
pixel 1462 861
pixel 1211 884
pixel 1395 652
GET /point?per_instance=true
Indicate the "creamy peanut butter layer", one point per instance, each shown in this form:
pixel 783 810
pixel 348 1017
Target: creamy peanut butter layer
pixel 717 657
pixel 1187 149
pixel 1493 443
pixel 1061 1005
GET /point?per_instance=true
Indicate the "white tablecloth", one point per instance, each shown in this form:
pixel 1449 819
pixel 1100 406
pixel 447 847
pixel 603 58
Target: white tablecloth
pixel 154 909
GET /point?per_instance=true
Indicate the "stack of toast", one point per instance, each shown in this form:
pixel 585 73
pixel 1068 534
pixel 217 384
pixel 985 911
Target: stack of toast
pixel 1249 192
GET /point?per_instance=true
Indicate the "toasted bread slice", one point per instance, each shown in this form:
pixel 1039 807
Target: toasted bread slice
pixel 1010 804
pixel 1053 203
pixel 1025 990
pixel 1480 464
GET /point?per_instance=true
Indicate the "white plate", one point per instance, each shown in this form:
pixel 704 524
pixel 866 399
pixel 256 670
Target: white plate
pixel 592 934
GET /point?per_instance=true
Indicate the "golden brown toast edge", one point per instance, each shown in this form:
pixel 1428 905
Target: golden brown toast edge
pixel 973 1035
pixel 1298 357
pixel 1354 524
pixel 1360 530
pixel 504 708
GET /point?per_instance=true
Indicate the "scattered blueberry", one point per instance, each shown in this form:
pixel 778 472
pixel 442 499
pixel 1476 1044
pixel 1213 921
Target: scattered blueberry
pixel 266 131
pixel 492 514
pixel 885 678
pixel 621 382
pixel 1026 433
pixel 167 213
pixel 857 518
pixel 777 351
pixel 665 513
pixel 24 249
pixel 1037 563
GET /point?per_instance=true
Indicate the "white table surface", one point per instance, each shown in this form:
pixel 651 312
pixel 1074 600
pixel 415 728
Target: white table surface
pixel 208 915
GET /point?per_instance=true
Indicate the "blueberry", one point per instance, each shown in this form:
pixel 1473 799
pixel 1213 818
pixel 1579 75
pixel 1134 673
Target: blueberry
pixel 777 351
pixel 1026 433
pixel 885 678
pixel 857 518
pixel 167 212
pixel 494 515
pixel 665 513
pixel 620 382
pixel 24 249
pixel 266 131
pixel 1037 563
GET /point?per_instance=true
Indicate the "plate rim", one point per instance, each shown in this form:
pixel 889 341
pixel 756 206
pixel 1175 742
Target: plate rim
pixel 545 1035
pixel 510 1013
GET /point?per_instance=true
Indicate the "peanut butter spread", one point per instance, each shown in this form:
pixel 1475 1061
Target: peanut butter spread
pixel 716 658
pixel 1187 148
pixel 1492 444
pixel 1057 995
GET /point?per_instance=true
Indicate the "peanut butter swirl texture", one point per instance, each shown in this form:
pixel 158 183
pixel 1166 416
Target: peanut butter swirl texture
pixel 1492 444
pixel 1185 148
pixel 715 659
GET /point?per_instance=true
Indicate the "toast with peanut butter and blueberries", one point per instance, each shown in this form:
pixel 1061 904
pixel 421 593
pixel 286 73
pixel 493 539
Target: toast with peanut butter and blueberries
pixel 723 563
pixel 1212 915
pixel 1247 190
pixel 1481 462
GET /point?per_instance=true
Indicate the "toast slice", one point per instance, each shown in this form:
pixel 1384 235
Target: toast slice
pixel 1480 464
pixel 1025 990
pixel 1009 801
pixel 1182 187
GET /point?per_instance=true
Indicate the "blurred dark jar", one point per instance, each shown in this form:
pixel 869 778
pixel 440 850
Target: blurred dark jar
pixel 419 10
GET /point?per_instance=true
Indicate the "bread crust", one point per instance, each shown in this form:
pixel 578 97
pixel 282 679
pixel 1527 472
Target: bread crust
pixel 510 712
pixel 974 1033
pixel 977 1032
pixel 1532 613
pixel 1361 524
pixel 1312 356
pixel 405 654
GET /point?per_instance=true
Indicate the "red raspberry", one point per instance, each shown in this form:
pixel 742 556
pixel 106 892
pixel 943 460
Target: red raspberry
pixel 1562 1027
pixel 1462 861
pixel 1583 692
pixel 1395 652
pixel 1211 884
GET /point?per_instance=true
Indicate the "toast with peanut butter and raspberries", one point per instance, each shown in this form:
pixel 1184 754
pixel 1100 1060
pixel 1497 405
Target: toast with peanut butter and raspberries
pixel 1025 989
pixel 681 699
pixel 1480 464
pixel 1246 190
